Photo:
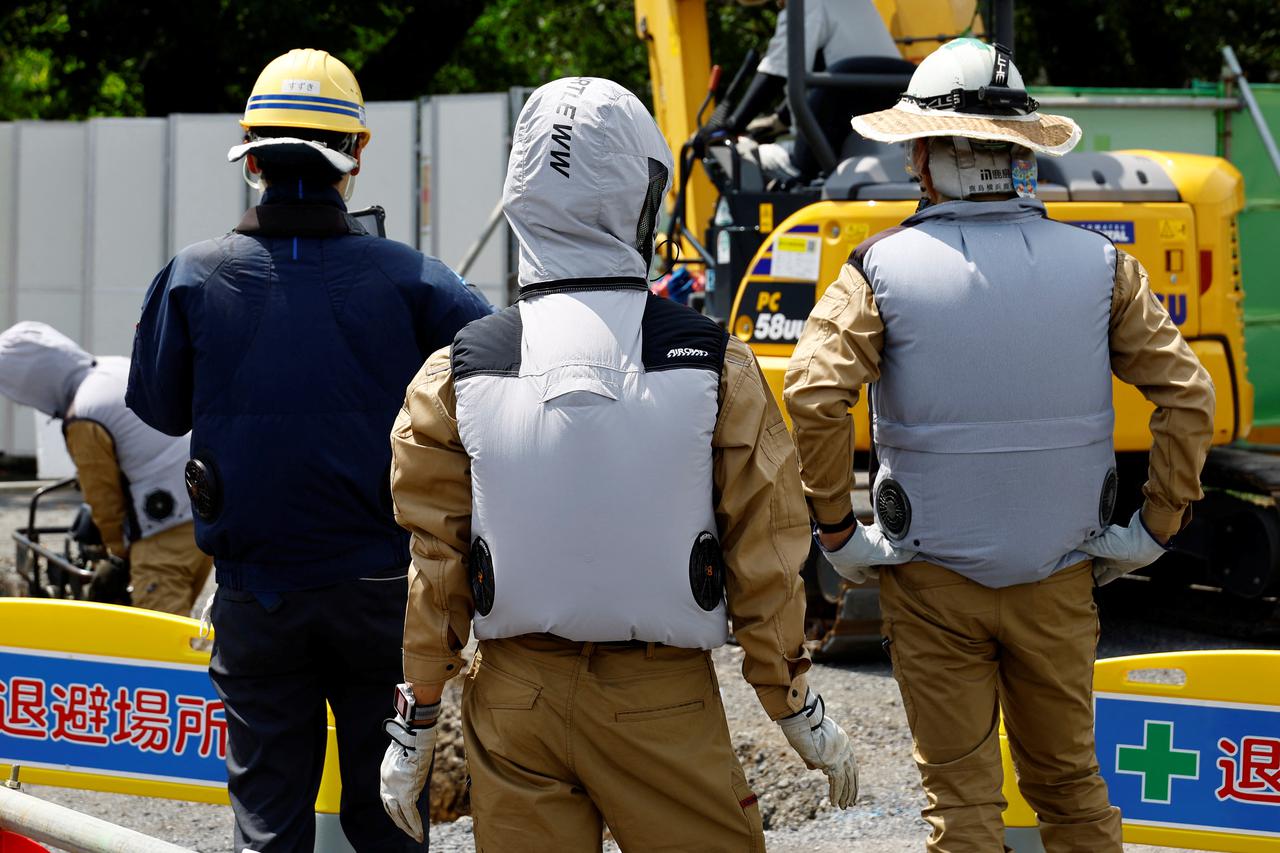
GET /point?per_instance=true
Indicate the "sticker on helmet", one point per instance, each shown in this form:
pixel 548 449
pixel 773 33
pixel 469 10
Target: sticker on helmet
pixel 300 87
pixel 1024 176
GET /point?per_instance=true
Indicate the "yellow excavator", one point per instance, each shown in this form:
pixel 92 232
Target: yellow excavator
pixel 768 254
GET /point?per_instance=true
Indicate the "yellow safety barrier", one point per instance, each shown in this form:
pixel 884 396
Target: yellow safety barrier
pixel 1189 743
pixel 116 699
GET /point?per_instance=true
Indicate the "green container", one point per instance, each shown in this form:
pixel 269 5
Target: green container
pixel 1206 131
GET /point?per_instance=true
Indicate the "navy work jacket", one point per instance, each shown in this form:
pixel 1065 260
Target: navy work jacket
pixel 287 357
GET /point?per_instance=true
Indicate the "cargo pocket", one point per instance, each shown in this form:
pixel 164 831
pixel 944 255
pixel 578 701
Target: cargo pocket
pixel 750 805
pixel 892 648
pixel 501 691
pixel 659 713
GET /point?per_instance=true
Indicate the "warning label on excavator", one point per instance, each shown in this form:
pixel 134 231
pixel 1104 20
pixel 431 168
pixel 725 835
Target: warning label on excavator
pixel 1117 231
pixel 797 256
pixel 1191 764
pixel 1173 229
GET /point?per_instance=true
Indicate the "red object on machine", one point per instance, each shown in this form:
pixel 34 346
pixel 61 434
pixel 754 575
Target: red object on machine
pixel 11 842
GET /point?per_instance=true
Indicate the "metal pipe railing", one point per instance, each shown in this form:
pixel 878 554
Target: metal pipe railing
pixel 1255 111
pixel 74 832
pixel 491 225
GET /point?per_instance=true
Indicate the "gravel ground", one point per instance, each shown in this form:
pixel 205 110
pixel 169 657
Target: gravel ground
pixel 862 696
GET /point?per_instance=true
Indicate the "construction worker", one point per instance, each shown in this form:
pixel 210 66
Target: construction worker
pixel 596 478
pixel 285 347
pixel 989 334
pixel 841 36
pixel 130 475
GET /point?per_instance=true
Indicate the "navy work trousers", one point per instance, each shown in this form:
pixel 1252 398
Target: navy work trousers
pixel 277 657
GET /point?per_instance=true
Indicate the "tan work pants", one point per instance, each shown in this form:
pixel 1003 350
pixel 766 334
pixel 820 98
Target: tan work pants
pixel 961 652
pixel 168 570
pixel 564 737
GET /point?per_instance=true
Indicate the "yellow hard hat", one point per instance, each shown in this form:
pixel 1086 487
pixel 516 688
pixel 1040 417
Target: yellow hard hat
pixel 307 88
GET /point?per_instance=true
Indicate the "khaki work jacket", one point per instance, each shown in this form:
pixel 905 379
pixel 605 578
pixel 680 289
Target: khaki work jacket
pixel 94 453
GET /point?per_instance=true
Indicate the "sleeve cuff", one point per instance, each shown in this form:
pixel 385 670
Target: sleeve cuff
pixel 779 702
pixel 420 670
pixel 832 515
pixel 1164 523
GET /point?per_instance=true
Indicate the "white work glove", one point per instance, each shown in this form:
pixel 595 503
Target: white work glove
pixel 404 772
pixel 824 746
pixel 866 548
pixel 1120 550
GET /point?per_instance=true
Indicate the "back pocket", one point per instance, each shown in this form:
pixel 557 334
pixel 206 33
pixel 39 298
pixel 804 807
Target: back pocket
pixel 500 690
pixel 644 714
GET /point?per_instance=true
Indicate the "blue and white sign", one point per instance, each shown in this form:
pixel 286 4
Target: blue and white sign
pixel 1191 764
pixel 114 716
pixel 1118 231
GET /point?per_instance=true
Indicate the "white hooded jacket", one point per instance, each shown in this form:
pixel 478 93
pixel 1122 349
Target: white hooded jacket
pixel 587 409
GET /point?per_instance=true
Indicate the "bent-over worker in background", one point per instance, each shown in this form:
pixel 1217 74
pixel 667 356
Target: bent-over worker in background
pixel 285 346
pixel 530 462
pixel 130 475
pixel 989 334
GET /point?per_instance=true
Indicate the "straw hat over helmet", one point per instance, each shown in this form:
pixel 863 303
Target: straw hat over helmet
pixel 970 89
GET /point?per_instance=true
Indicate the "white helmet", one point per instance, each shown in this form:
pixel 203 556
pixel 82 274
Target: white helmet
pixel 970 89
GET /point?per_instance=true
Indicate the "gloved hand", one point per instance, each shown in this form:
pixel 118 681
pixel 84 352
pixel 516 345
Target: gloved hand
pixel 110 582
pixel 1120 550
pixel 404 772
pixel 824 746
pixel 865 549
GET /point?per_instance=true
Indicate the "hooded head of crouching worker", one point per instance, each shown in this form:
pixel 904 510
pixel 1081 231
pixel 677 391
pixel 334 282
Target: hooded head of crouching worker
pixel 619 484
pixel 304 121
pixel 974 130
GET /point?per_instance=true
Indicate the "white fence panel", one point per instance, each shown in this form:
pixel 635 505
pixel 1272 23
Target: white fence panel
pixel 8 232
pixel 207 195
pixel 91 211
pixel 388 165
pixel 465 143
pixel 48 206
pixel 127 223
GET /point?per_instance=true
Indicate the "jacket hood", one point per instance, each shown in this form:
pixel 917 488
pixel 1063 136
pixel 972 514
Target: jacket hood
pixel 42 368
pixel 585 181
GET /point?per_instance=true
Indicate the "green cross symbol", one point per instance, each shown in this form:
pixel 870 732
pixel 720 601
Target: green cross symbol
pixel 1157 762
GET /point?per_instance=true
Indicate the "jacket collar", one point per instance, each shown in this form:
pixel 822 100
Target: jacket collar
pixel 309 211
pixel 1011 209
pixel 303 193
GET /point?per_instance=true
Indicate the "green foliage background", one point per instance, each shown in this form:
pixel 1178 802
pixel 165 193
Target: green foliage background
pixel 152 57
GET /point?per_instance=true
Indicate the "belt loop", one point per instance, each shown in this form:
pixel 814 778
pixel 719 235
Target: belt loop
pixel 648 650
pixel 587 649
